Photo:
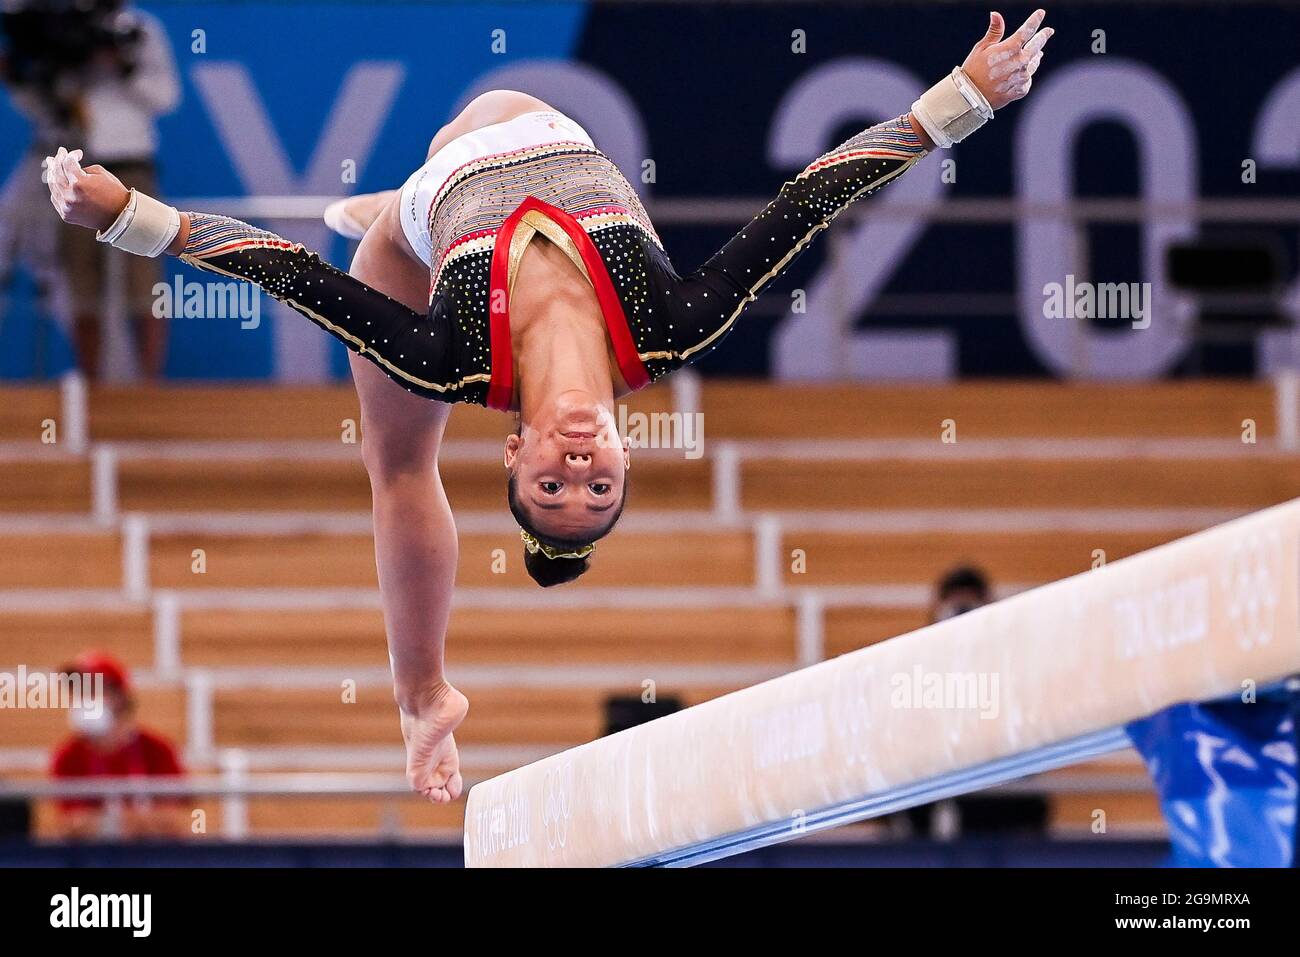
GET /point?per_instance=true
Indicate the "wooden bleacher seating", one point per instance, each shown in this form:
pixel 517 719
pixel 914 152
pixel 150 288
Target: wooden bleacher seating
pixel 551 716
pixel 47 636
pixel 983 410
pixel 900 558
pixel 61 559
pixel 24 408
pixel 74 554
pixel 1238 483
pixel 483 636
pixel 55 486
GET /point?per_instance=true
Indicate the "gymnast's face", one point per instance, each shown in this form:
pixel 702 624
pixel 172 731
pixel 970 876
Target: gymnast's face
pixel 569 465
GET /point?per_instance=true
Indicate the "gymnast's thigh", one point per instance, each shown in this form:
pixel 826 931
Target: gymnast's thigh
pixel 399 428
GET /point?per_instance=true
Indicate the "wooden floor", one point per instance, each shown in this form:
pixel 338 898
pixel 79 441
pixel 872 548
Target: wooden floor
pixel 214 470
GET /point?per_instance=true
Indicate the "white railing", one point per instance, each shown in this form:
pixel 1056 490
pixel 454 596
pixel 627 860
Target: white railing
pixel 381 784
pixel 725 211
pixel 237 782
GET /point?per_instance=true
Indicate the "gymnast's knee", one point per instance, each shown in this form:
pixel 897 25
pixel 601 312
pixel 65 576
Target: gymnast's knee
pixel 389 458
pixel 497 103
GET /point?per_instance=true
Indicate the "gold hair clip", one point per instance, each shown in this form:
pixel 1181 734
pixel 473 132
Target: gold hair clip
pixel 534 546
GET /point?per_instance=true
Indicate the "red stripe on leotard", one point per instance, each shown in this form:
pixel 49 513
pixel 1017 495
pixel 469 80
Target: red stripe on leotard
pixel 502 384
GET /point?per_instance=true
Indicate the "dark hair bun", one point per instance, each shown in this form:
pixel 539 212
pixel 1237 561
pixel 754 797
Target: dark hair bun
pixel 554 571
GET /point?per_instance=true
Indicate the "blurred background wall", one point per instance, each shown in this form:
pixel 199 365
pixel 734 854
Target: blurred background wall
pixel 715 104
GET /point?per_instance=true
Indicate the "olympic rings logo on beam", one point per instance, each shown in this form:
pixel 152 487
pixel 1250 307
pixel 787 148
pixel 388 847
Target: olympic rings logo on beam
pixel 557 786
pixel 1249 579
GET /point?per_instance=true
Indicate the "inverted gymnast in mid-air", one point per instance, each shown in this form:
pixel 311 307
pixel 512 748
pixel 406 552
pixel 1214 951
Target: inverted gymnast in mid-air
pixel 450 299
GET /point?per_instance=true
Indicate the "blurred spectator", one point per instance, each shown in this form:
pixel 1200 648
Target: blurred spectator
pixel 29 235
pixel 960 590
pixel 628 711
pixel 107 742
pixel 96 75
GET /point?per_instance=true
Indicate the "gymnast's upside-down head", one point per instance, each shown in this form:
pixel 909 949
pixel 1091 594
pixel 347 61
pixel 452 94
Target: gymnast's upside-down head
pixel 567 483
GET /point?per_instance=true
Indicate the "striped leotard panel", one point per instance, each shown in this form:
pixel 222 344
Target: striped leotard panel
pixel 477 198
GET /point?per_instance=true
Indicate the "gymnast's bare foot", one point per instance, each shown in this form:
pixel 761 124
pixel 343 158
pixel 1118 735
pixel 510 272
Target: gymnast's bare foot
pixel 351 217
pixel 432 761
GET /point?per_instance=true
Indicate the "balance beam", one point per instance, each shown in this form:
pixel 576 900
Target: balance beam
pixel 1042 679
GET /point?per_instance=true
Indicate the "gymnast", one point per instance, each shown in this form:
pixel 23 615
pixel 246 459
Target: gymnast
pixel 449 299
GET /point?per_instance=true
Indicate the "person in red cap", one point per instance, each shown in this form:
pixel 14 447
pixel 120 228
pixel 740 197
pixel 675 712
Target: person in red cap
pixel 107 742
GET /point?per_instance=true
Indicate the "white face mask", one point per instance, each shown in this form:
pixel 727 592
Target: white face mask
pixel 93 723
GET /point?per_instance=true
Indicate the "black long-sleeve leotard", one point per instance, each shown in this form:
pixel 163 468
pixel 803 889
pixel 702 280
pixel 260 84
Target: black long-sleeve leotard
pixel 445 352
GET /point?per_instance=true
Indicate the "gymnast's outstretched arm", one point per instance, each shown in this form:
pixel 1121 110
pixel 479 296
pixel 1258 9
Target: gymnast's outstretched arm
pixel 412 347
pixel 996 72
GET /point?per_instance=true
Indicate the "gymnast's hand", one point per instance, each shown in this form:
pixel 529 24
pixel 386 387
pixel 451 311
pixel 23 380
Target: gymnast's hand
pixel 432 761
pixel 91 197
pixel 1003 70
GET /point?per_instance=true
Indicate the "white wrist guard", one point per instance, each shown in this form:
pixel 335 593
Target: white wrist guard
pixel 145 227
pixel 952 109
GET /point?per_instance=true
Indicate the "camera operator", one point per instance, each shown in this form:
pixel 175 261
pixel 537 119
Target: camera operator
pixel 104 71
pixel 27 235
